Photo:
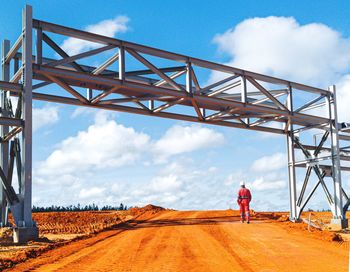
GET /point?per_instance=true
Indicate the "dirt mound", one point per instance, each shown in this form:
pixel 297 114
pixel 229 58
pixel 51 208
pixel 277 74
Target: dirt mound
pixel 146 211
pixel 311 231
pixel 271 215
pixel 75 222
pixel 57 229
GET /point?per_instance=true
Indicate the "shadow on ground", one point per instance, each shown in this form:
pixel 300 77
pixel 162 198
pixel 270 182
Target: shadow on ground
pixel 138 224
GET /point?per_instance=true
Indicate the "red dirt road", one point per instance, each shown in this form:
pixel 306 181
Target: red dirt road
pixel 195 241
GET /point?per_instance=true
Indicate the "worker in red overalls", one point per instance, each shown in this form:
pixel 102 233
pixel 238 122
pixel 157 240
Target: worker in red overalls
pixel 244 197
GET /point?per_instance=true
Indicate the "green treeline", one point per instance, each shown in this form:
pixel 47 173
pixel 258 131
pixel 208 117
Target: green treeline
pixel 78 207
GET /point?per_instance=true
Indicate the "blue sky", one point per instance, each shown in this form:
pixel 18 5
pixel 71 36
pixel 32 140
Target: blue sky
pixel 203 168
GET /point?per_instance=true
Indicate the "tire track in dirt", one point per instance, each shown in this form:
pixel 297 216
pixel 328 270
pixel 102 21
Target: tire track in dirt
pixel 222 238
pixel 66 250
pixel 97 254
pixel 135 243
pixel 266 246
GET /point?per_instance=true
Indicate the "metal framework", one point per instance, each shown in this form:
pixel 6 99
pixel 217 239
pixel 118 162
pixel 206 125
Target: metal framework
pixel 143 80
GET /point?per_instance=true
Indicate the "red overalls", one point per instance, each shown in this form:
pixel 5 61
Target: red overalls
pixel 243 200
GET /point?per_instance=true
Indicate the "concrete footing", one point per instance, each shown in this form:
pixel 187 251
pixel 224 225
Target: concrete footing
pixel 338 224
pixel 22 235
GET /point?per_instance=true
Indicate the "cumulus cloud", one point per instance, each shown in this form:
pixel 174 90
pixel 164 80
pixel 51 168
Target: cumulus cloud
pixel 270 163
pixel 313 54
pixel 183 139
pixel 261 184
pixel 82 111
pixel 104 144
pixel 46 115
pixel 183 184
pixel 235 178
pixel 166 183
pixel 280 46
pixel 343 99
pixel 110 28
pixel 84 165
pixel 93 192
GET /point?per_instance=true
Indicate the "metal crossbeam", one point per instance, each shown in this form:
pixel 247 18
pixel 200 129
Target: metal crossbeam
pixel 60 51
pixel 71 59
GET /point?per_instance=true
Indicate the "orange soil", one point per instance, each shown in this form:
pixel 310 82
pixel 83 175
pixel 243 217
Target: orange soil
pixel 57 229
pixel 166 240
pixel 75 222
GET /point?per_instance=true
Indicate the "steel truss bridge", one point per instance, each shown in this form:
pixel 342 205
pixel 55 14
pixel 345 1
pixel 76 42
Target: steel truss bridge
pixel 143 80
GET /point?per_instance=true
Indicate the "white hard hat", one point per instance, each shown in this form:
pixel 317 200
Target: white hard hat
pixel 242 183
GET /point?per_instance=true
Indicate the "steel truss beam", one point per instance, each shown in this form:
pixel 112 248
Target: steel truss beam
pixel 238 99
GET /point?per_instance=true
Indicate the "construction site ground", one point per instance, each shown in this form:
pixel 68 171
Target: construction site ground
pixel 156 239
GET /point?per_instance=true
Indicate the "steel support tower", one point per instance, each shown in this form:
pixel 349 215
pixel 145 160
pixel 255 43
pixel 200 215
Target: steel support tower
pixel 143 80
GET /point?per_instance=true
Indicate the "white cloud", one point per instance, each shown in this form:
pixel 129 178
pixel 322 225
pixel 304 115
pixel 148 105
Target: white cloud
pixel 181 184
pixel 261 184
pixel 81 162
pixel 93 192
pixel 46 115
pixel 280 46
pixel 182 139
pixel 166 183
pixel 270 163
pixel 343 99
pixel 104 144
pixel 313 54
pixel 79 111
pixel 235 178
pixel 110 28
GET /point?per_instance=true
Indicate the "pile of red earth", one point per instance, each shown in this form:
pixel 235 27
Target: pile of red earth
pixel 145 212
pixel 67 224
pixel 318 233
pixel 76 222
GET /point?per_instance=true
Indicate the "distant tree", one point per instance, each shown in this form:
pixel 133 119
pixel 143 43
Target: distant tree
pixel 78 207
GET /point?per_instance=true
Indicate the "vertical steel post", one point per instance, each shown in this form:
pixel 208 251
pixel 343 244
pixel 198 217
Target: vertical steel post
pixel 188 78
pixel 121 63
pixel 4 156
pixel 27 116
pixel 89 94
pixel 244 94
pixel 15 65
pixel 151 104
pixel 291 161
pixel 39 46
pixel 336 171
pixel 243 89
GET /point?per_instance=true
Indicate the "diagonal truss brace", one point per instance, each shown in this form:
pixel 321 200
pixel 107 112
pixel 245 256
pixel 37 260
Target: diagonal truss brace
pixel 301 203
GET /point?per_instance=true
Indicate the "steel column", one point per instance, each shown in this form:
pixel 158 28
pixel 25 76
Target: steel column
pixel 121 63
pixel 335 152
pixel 27 116
pixel 39 46
pixel 291 162
pixel 4 147
pixel 244 97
